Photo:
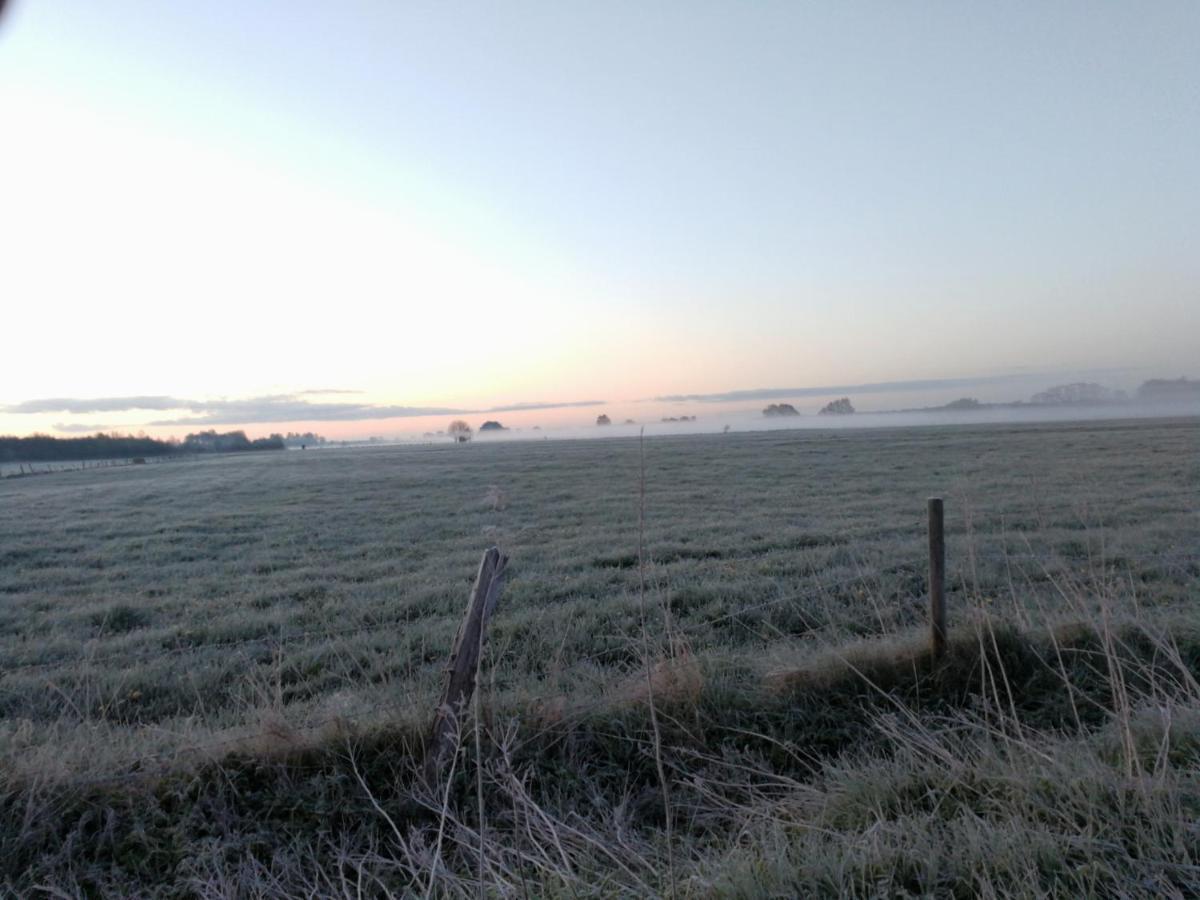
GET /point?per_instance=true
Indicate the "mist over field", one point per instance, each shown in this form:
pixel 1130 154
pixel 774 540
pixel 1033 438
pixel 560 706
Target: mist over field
pixel 741 420
pixel 895 407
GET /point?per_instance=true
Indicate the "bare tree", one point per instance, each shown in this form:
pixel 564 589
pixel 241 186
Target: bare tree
pixel 459 430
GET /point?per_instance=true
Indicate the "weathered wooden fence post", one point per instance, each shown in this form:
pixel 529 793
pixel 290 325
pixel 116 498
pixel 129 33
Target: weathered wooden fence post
pixel 937 578
pixel 464 660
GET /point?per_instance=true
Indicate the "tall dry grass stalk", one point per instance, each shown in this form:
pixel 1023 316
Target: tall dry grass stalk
pixel 648 665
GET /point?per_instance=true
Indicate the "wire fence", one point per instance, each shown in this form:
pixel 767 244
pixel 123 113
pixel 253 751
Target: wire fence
pixel 143 767
pixel 1084 557
pixel 53 467
pixel 572 708
pixel 128 657
pixel 282 638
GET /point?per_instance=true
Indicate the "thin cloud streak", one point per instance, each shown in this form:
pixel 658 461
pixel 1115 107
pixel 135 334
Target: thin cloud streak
pixel 525 407
pixel 272 408
pixel 879 387
pixel 276 410
pixel 71 428
pixel 100 404
pixel 284 409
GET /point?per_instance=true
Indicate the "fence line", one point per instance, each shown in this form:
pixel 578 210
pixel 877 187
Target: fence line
pixel 1121 560
pixel 1104 557
pixel 1077 511
pixel 577 711
pixel 25 469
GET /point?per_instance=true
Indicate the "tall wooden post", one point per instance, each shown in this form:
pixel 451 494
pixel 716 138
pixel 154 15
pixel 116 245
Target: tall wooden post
pixel 464 660
pixel 937 578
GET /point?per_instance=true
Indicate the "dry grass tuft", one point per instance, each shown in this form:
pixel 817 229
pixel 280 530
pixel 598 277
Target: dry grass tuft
pixel 867 658
pixel 678 680
pixel 495 498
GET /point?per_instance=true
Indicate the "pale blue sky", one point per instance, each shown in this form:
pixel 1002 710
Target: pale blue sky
pixel 482 204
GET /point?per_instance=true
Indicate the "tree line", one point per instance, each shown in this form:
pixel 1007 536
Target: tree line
pixel 44 448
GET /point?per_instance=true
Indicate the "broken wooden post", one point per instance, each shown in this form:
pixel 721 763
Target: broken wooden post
pixel 464 660
pixel 937 578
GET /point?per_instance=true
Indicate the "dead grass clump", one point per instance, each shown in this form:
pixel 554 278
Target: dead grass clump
pixel 675 680
pixel 865 658
pixel 495 498
pixel 548 712
pixel 904 659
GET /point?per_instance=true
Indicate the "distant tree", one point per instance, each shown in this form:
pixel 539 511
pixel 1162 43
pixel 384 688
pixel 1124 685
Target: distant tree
pixel 274 442
pixel 963 403
pixel 459 430
pixel 602 419
pixel 43 448
pixel 213 442
pixel 230 442
pixel 841 407
pixel 1165 389
pixel 630 422
pixel 491 425
pixel 1081 393
pixel 308 438
pixel 780 409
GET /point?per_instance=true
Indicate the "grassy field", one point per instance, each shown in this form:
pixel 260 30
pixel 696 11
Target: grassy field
pixel 215 676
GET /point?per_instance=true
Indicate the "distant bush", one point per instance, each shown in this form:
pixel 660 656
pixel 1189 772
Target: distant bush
pixel 780 409
pixel 120 619
pixel 1081 393
pixel 230 442
pixel 307 439
pixel 274 442
pixel 1169 389
pixel 492 425
pixel 602 419
pixel 841 407
pixel 963 403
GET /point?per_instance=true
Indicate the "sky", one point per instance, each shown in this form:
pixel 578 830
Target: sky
pixel 362 217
